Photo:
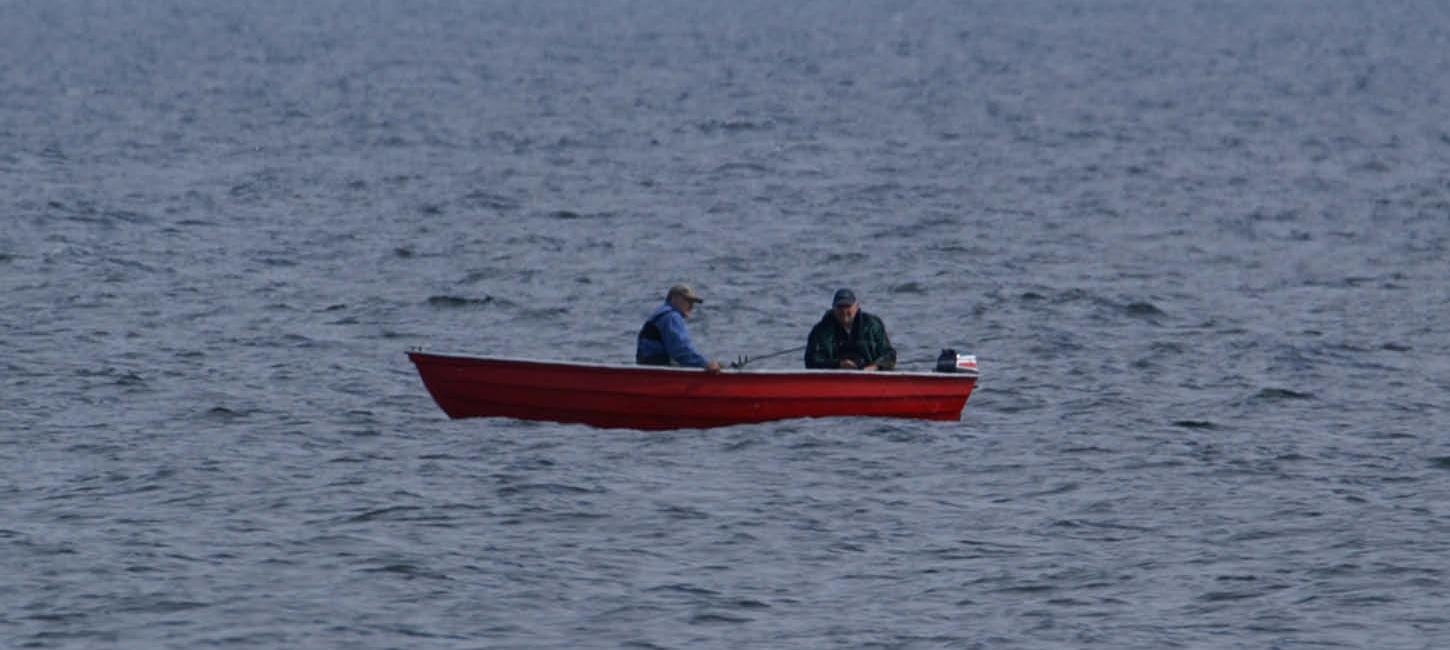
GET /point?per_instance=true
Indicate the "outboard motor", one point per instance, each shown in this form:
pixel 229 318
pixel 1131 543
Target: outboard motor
pixel 950 361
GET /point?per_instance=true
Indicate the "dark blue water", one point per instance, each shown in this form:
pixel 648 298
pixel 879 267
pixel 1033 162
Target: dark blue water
pixel 1200 249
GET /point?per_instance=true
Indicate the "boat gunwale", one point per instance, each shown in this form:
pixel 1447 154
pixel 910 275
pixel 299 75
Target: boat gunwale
pixel 948 376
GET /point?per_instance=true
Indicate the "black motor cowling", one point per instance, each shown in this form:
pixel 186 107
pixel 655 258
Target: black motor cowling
pixel 950 361
pixel 947 361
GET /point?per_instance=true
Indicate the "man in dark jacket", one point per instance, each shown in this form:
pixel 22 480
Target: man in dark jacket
pixel 849 338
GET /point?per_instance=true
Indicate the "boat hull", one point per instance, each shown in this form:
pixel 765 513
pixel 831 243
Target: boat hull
pixel 642 397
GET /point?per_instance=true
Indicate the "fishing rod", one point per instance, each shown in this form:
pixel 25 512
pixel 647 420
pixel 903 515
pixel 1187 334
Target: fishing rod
pixel 744 359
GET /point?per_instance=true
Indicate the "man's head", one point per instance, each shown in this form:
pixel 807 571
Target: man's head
pixel 844 306
pixel 683 298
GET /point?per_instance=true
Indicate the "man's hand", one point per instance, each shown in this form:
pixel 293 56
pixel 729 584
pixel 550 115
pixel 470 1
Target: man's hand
pixel 713 367
pixel 848 364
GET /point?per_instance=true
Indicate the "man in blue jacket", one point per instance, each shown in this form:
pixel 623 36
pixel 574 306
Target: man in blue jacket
pixel 665 339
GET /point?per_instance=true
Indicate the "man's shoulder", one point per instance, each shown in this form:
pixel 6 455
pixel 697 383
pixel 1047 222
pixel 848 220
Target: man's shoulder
pixel 670 317
pixel 824 324
pixel 873 321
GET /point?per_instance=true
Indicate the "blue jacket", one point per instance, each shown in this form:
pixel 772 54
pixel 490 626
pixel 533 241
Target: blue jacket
pixel 673 345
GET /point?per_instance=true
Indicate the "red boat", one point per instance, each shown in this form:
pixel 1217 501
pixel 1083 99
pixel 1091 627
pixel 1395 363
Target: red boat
pixel 651 397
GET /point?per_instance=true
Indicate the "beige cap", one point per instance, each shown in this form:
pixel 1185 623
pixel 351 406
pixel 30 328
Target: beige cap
pixel 684 291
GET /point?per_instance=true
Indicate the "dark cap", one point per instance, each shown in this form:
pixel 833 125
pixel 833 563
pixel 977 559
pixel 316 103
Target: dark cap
pixel 684 291
pixel 843 298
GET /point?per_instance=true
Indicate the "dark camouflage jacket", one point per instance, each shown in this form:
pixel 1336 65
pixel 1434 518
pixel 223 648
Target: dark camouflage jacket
pixel 867 343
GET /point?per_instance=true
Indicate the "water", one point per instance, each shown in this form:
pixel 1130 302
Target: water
pixel 1199 249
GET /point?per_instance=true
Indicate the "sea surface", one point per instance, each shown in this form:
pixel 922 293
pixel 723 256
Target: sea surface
pixel 1201 249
